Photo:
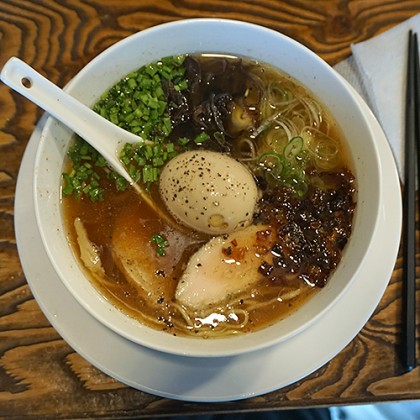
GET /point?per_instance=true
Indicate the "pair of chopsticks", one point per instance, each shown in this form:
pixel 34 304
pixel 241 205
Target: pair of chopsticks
pixel 412 160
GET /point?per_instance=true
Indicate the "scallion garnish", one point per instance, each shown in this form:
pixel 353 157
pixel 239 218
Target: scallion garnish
pixel 161 243
pixel 138 104
pixel 83 178
pixel 201 138
pixel 286 168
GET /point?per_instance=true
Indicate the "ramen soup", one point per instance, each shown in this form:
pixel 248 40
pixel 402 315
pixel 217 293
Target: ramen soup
pixel 246 197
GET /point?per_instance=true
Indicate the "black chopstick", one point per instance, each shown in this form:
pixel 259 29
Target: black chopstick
pixel 408 345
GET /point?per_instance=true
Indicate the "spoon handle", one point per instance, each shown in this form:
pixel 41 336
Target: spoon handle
pixel 106 137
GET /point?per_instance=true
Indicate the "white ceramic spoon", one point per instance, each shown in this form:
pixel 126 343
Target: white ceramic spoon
pixel 106 137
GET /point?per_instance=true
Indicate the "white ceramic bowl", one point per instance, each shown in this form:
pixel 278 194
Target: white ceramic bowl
pixel 216 36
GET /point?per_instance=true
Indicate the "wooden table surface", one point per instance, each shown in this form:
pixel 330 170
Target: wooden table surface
pixel 40 374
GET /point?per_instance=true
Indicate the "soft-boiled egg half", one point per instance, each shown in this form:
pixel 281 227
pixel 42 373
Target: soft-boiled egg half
pixel 208 191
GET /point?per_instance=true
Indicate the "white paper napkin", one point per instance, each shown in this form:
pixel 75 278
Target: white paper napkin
pixel 377 70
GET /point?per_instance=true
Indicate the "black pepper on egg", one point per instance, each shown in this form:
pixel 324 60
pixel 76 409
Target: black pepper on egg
pixel 203 175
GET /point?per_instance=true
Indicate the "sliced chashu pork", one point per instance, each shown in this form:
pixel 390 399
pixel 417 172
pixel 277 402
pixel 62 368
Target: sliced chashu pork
pixel 136 256
pixel 224 266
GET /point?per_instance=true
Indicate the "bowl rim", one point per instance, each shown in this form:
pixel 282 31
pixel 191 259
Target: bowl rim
pixel 182 345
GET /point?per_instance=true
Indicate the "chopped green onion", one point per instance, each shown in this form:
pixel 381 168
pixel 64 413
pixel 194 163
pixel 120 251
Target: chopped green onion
pixel 137 104
pixel 201 138
pixel 161 243
pixel 83 177
pixel 287 168
pixel 271 162
pixel 293 147
pixel 183 141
